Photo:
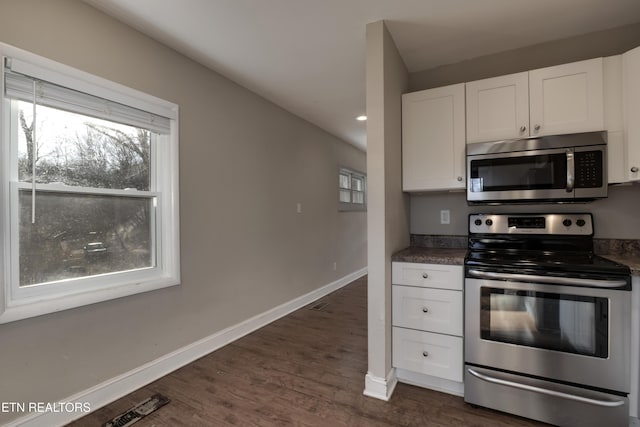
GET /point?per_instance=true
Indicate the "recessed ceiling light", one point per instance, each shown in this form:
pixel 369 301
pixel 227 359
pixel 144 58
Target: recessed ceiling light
pixel 361 118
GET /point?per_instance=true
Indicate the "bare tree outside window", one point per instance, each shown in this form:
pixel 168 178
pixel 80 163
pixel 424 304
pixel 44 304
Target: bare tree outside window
pixel 82 234
pixel 82 151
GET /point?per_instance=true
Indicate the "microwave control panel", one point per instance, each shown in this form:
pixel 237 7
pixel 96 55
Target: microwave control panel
pixel 589 167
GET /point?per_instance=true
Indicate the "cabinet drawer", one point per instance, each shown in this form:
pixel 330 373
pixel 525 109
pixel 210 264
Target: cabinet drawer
pixel 427 275
pixel 433 310
pixel 427 353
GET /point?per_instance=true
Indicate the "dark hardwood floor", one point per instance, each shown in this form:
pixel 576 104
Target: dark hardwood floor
pixel 306 369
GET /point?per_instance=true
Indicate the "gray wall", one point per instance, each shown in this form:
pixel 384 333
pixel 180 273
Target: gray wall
pixel 592 45
pixel 245 163
pixel 615 217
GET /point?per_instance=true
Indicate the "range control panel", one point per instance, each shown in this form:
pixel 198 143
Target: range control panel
pixel 555 224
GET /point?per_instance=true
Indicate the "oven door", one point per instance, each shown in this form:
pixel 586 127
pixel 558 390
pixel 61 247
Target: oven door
pixel 578 335
pixel 522 175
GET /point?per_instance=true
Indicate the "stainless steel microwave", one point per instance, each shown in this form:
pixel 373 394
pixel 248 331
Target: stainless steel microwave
pixel 560 168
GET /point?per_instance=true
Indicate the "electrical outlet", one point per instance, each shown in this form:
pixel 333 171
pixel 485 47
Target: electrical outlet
pixel 335 266
pixel 299 207
pixel 445 216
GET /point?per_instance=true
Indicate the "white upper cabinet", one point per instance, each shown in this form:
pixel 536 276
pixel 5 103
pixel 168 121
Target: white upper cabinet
pixel 433 139
pixel 613 118
pixel 631 106
pixel 565 98
pixel 498 108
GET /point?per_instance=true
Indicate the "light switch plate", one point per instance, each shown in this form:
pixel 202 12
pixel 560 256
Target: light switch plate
pixel 445 216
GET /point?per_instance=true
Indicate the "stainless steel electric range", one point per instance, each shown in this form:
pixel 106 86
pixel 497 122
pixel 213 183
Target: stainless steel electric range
pixel 547 322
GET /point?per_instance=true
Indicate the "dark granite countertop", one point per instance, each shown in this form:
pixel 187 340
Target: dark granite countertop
pixel 633 262
pixel 455 256
pixel 451 250
pixel 624 251
pixel 451 256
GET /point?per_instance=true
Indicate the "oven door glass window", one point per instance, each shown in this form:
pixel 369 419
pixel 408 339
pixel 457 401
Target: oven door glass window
pixel 536 172
pixel 566 323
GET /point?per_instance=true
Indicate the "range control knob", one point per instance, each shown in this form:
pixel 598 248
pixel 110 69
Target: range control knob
pixel 567 222
pixel 580 223
pixel 489 222
pixel 478 222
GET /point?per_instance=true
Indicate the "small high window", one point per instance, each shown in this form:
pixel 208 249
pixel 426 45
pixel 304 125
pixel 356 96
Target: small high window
pixel 352 190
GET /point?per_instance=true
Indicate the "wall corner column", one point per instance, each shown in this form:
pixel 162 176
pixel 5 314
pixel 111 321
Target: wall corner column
pixel 388 211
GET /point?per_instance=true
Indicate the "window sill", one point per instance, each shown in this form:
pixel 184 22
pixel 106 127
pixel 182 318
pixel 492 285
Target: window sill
pixel 350 207
pixel 18 310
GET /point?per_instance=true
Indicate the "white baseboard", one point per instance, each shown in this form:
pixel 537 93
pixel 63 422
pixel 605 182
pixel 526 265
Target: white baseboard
pixel 117 387
pixel 427 381
pixel 378 387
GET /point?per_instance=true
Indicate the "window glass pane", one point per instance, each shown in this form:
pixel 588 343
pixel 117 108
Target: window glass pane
pixel 345 181
pixel 82 151
pixel 345 196
pixel 356 184
pixel 566 323
pixel 83 235
pixel 358 197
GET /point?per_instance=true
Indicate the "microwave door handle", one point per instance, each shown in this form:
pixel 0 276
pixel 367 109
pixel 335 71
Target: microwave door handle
pixel 570 170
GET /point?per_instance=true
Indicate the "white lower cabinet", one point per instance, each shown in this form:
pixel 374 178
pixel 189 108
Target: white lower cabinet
pixel 438 276
pixel 427 353
pixel 427 319
pixel 435 310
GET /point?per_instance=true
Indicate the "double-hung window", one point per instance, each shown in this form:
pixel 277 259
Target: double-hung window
pixel 90 188
pixel 352 190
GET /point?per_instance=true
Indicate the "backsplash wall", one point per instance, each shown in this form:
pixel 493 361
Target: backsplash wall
pixel 616 217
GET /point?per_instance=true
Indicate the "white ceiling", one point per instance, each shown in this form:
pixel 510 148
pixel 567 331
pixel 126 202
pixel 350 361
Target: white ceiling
pixel 308 56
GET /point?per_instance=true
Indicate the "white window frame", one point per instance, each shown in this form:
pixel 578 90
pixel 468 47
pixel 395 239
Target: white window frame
pixel 23 302
pixel 351 205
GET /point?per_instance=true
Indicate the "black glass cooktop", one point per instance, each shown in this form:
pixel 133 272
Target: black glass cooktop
pixel 540 262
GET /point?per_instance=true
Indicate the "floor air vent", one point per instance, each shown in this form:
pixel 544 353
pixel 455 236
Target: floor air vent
pixel 319 306
pixel 138 412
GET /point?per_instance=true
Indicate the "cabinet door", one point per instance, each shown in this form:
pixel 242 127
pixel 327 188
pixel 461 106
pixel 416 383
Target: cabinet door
pixel 433 140
pixel 567 98
pixel 498 108
pixel 427 353
pixel 613 118
pixel 631 102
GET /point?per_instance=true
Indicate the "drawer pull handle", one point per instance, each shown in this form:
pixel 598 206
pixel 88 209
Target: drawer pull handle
pixel 425 353
pixel 425 310
pixel 554 393
pixel 425 276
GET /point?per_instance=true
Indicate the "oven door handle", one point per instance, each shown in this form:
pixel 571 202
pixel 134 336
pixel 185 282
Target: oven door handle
pixel 607 403
pixel 547 279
